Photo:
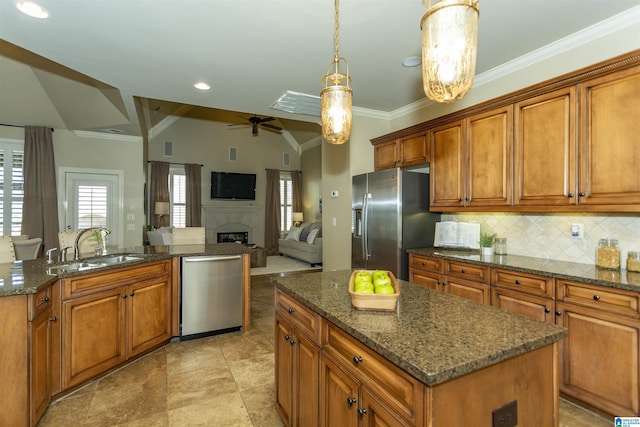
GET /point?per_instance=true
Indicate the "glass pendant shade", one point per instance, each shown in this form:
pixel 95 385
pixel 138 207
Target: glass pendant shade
pixel 449 46
pixel 335 113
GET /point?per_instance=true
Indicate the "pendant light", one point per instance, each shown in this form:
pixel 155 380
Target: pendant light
pixel 449 46
pixel 336 97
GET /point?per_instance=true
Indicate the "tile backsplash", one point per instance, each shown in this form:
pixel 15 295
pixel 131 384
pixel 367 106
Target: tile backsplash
pixel 549 235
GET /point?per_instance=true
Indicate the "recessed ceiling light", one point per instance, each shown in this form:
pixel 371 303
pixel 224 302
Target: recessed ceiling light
pixel 32 9
pixel 412 61
pixel 202 86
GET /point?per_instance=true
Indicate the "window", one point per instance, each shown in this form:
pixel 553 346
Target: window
pixel 11 187
pixel 178 186
pixel 91 206
pixel 286 201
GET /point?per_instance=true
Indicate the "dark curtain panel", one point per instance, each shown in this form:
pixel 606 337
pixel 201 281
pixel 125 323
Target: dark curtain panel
pixel 194 194
pixel 296 187
pixel 40 207
pixel 159 191
pixel 272 212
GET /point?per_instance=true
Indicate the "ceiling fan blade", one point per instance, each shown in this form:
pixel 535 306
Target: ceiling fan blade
pixel 267 119
pixel 272 126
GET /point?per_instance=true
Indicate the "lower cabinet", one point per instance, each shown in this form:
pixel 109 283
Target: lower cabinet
pixel 40 364
pixel 297 354
pixel 601 355
pixel 103 329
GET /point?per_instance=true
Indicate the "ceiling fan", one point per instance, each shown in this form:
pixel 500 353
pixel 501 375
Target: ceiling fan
pixel 256 121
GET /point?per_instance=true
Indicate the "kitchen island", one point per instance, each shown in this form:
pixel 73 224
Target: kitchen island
pixel 62 325
pixel 436 360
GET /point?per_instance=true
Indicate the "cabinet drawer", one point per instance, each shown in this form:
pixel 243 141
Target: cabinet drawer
pixel 527 283
pixel 404 392
pixel 39 302
pixel 93 282
pixel 532 306
pixel 605 299
pixel 425 278
pixel 425 263
pixel 475 273
pixel 300 316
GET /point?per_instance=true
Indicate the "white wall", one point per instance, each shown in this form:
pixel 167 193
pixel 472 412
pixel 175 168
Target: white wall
pixel 311 166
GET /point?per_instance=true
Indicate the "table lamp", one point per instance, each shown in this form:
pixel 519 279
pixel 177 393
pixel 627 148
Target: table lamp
pixel 297 218
pixel 162 209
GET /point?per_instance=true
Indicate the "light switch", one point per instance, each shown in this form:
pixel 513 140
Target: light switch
pixel 577 231
pixel 335 193
pixel 334 222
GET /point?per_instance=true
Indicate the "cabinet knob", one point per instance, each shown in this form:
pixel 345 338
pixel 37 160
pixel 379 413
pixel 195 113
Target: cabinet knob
pixel 517 282
pixel 444 283
pixel 357 359
pixel 462 271
pixel 292 342
pixel 291 310
pixel 124 296
pixel 424 263
pixel 439 283
pixel 558 313
pixel 45 299
pixel 131 294
pixel 547 310
pixel 53 319
pixel 596 297
pixel 351 401
pixel 287 337
pixel 581 194
pixel 362 411
pixel 570 195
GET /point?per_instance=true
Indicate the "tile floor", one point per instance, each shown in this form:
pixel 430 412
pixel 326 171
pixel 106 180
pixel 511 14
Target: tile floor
pixel 226 380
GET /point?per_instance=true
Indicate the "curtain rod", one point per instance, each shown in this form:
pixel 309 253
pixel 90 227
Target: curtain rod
pixel 20 126
pixel 171 163
pixel 283 170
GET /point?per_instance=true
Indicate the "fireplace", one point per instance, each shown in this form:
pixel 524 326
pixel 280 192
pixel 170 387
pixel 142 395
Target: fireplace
pixel 235 219
pixel 233 236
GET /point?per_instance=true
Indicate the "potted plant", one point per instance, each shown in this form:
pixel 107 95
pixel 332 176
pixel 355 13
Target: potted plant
pixel 486 243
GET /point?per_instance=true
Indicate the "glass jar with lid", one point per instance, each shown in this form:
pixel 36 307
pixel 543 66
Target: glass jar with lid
pixel 633 261
pixel 500 245
pixel 608 254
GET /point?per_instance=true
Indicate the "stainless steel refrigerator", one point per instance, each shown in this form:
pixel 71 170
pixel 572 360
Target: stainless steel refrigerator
pixel 390 214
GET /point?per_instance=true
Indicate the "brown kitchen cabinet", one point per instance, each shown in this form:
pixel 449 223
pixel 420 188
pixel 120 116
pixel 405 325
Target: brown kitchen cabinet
pixel 601 355
pixel 545 149
pixel 465 280
pixel 447 166
pixel 360 388
pixel 609 128
pixel 111 316
pixel 527 294
pixel 40 373
pixel 297 354
pixel 401 152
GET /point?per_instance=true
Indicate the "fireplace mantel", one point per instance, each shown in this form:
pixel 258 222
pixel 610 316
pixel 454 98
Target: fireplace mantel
pixel 235 218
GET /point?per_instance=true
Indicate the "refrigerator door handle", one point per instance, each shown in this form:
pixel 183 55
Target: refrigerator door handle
pixel 365 226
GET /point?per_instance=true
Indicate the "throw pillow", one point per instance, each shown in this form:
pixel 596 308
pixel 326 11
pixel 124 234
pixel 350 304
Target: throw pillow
pixel 294 233
pixel 306 229
pixel 312 235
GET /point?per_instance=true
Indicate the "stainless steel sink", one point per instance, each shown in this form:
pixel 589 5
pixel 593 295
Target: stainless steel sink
pixel 97 262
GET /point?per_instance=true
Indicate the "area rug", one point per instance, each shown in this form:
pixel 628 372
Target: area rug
pixel 282 264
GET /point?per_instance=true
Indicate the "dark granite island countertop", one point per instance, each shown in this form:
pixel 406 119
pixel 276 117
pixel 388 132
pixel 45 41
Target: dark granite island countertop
pixel 433 336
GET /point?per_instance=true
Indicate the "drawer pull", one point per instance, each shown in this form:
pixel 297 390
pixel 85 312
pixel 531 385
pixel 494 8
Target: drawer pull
pixel 581 194
pixel 357 359
pixel 570 195
pixel 362 411
pixel 351 400
pixel 287 337
pixel 558 313
pixel 596 297
pixel 53 319
pixel 131 294
pixel 45 299
pixel 517 282
pixel 291 310
pixel 547 310
pixel 124 296
pixel 462 270
pixel 292 342
pixel 424 263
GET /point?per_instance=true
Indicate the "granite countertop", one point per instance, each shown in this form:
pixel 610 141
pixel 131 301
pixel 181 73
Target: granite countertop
pixel 586 273
pixel 28 277
pixel 433 336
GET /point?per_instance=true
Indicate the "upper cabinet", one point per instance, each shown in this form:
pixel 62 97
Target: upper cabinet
pixel 471 161
pixel 545 150
pixel 401 152
pixel 609 150
pixel 565 145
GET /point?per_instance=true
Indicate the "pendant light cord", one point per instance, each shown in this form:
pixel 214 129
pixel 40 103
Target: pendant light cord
pixel 336 37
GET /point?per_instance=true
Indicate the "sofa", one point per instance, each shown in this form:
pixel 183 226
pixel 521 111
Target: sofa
pixel 303 243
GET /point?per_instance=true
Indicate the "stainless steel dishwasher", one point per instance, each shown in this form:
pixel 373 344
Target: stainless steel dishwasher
pixel 211 295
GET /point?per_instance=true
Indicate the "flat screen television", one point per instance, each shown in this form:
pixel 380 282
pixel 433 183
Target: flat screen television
pixel 232 185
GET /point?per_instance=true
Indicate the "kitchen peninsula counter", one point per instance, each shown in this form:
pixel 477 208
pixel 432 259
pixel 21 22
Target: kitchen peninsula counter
pixel 28 277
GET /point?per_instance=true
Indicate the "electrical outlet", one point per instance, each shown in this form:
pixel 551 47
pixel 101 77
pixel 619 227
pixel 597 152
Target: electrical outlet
pixel 577 231
pixel 506 416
